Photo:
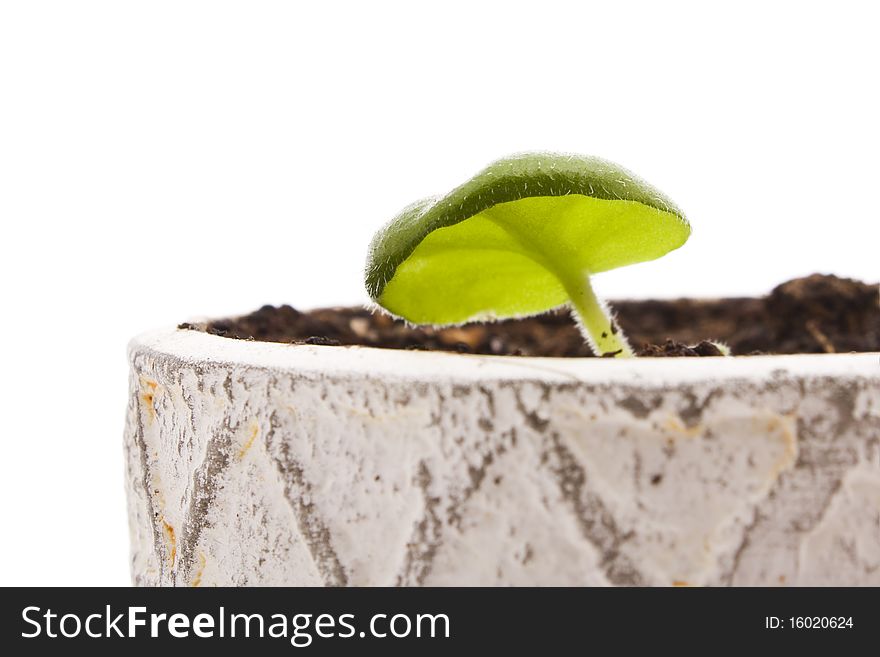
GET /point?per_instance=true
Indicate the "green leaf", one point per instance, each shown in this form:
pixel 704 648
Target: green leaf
pixel 519 238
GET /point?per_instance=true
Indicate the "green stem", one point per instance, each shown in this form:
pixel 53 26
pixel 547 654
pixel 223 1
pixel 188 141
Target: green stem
pixel 597 326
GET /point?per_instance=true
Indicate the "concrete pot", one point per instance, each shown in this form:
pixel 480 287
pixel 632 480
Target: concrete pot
pixel 267 464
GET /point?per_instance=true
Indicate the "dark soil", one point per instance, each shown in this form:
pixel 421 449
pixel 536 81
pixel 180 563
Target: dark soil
pixel 816 314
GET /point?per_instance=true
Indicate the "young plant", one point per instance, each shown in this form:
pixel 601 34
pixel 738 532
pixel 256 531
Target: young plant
pixel 520 238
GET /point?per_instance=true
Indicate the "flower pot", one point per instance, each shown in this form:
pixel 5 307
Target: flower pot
pixel 252 463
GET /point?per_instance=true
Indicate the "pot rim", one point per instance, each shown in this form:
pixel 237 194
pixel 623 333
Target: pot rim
pixel 199 348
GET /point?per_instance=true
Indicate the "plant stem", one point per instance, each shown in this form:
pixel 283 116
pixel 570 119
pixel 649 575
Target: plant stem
pixel 596 324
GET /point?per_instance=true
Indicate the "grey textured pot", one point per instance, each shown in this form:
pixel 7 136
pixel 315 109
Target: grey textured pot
pixel 266 464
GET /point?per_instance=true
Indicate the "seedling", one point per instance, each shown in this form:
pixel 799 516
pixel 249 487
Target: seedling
pixel 520 238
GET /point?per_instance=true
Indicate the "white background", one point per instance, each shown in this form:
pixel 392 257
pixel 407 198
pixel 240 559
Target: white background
pixel 164 160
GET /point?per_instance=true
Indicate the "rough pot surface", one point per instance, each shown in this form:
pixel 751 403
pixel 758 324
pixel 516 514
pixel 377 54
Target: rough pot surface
pixel 266 464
